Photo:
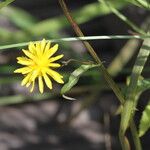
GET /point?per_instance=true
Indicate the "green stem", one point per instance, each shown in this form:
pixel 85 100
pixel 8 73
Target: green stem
pixel 135 135
pixel 5 3
pixel 131 96
pixel 112 84
pixel 143 3
pixel 108 78
pixel 122 17
pixel 130 103
pixel 124 141
pixel 70 39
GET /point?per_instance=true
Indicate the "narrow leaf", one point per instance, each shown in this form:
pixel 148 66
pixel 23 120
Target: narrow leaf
pixel 143 85
pixel 131 93
pixel 74 77
pixel 5 3
pixel 19 17
pixel 145 121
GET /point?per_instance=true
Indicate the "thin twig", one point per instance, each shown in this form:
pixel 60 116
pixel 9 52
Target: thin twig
pixel 112 84
pixel 76 28
pixel 72 39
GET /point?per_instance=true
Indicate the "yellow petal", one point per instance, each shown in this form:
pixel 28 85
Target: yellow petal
pixel 32 88
pixel 54 65
pixel 23 70
pixel 38 49
pixel 31 47
pixel 55 75
pixel 34 75
pixel 43 43
pixel 24 61
pixel 41 86
pixel 47 47
pixel 51 51
pixel 47 81
pixel 28 84
pixel 28 53
pixel 56 58
pixel 26 79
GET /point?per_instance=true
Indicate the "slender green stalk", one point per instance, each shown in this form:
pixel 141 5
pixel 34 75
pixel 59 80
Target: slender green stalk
pixel 123 57
pixel 124 141
pixel 5 3
pixel 131 91
pixel 135 136
pixel 87 38
pixel 131 96
pixel 108 78
pixel 122 17
pixel 140 3
pixel 112 84
pixel 143 3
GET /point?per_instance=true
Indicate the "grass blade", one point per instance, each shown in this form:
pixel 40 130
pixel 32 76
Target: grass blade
pixel 5 3
pixel 87 38
pixel 74 77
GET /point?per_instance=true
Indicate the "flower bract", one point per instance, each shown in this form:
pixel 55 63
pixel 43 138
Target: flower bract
pixel 38 63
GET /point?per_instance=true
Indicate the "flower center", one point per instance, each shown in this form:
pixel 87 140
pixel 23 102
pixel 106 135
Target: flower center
pixel 42 62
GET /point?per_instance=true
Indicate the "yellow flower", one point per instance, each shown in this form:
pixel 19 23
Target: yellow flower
pixel 38 63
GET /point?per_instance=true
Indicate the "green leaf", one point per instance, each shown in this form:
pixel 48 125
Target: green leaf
pixel 143 3
pixel 5 3
pixel 19 17
pixel 122 17
pixel 143 84
pixel 145 121
pixel 140 3
pixel 82 15
pixel 131 94
pixel 74 77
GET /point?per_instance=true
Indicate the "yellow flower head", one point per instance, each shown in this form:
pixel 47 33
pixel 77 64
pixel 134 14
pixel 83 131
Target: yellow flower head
pixel 38 63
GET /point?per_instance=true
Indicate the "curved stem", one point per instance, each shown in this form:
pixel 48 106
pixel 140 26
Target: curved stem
pixel 124 141
pixel 135 136
pixel 76 28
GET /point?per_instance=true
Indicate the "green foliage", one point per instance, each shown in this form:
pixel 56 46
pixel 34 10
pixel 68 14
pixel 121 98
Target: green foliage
pixel 122 17
pixel 145 121
pixel 132 88
pixel 74 77
pixel 31 28
pixel 5 3
pixel 143 3
pixel 19 17
pixel 143 84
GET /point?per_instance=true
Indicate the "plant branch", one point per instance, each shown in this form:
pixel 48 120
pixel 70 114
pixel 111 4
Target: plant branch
pixel 108 78
pixel 131 96
pixel 76 28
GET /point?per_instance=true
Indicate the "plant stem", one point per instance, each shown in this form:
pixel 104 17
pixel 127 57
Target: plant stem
pixel 70 39
pixel 112 84
pixel 124 141
pixel 131 96
pixel 122 17
pixel 135 135
pixel 108 78
pixel 130 104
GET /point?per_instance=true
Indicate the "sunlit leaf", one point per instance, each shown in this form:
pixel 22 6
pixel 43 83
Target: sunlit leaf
pixel 143 85
pixel 145 121
pixel 5 3
pixel 19 17
pixel 74 77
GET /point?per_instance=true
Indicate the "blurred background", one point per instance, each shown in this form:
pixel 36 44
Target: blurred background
pixel 47 121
